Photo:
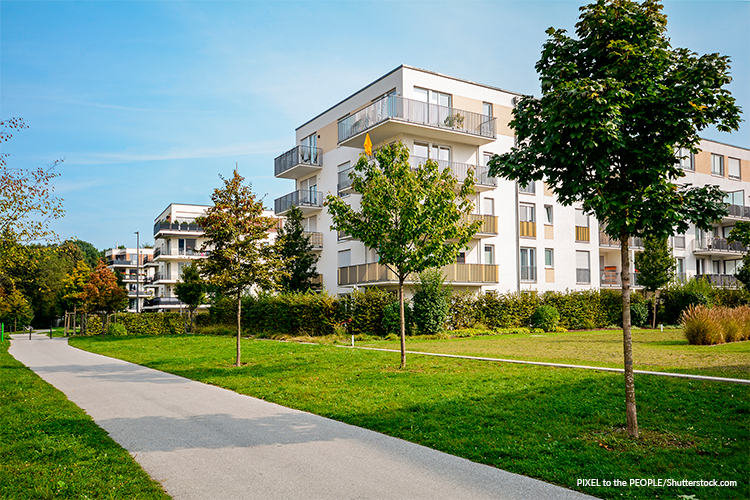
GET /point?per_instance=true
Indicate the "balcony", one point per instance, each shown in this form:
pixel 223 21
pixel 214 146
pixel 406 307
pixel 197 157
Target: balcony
pixel 179 252
pixel 122 263
pixel 164 278
pixel 738 212
pixel 345 183
pixel 316 239
pixel 583 234
pixel 713 246
pixel 607 241
pixel 163 302
pixel 723 280
pixel 611 278
pixel 308 201
pixel 489 224
pixel 482 179
pixel 393 115
pixel 528 274
pixel 378 274
pixel 298 162
pixel 527 229
pixel 177 227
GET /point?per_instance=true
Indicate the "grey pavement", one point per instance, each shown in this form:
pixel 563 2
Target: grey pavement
pixel 203 442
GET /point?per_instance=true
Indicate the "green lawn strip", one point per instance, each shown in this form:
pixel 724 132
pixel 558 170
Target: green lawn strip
pixel 653 350
pixel 50 448
pixel 558 425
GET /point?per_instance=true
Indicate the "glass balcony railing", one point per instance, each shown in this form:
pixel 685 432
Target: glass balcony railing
pixel 300 155
pixel 176 226
pixel 302 199
pixel 416 112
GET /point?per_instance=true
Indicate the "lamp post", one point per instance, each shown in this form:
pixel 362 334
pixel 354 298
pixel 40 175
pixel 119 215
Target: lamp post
pixel 138 272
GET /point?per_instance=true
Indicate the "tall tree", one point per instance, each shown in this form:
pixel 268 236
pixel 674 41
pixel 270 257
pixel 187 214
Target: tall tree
pixel 14 309
pixel 71 294
pixel 656 266
pixel 236 233
pixel 413 217
pixel 101 293
pixel 617 103
pixel 27 200
pixel 296 253
pixel 741 234
pixel 191 289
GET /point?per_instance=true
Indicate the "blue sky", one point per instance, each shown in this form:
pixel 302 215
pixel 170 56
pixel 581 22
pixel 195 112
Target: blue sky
pixel 148 102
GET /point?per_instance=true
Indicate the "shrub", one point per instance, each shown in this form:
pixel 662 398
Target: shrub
pixel 117 330
pixel 507 310
pixel 702 326
pixel 392 319
pixel 431 302
pixel 463 310
pixel 676 298
pixel 545 317
pixel 638 314
pixel 365 308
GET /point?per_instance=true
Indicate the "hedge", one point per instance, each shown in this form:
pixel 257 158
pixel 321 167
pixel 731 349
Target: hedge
pixel 142 324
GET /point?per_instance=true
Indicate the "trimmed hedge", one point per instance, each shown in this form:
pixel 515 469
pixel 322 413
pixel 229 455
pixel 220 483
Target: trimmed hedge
pixel 141 324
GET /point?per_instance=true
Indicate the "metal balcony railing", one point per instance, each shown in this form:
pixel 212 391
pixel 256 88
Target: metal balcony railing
pixel 528 273
pixel 344 182
pixel 184 252
pixel 176 226
pixel 302 198
pixel 417 112
pixel 739 211
pixel 489 223
pixel 718 245
pixel 724 280
pixel 162 301
pixel 300 155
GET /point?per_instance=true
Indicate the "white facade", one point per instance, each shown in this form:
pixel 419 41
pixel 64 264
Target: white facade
pixel 528 241
pixel 136 274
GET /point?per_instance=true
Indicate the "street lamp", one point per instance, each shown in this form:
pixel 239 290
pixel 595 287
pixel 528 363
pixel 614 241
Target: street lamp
pixel 138 272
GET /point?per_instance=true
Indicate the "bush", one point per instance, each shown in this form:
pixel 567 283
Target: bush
pixel 638 314
pixel 704 326
pixel 545 317
pixel 463 310
pixel 365 308
pixel 677 298
pixel 431 302
pixel 117 330
pixel 392 319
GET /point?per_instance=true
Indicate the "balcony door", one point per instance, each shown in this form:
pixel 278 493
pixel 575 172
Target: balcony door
pixel 436 109
pixel 437 152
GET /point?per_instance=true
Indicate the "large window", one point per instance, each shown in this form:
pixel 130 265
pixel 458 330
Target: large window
pixel 528 264
pixel 433 151
pixel 717 165
pixel 733 168
pixel 687 159
pixel 438 106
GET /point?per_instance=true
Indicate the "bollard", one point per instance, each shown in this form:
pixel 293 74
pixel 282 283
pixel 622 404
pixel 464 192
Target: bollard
pixel 352 340
pixel 2 332
pixel 50 332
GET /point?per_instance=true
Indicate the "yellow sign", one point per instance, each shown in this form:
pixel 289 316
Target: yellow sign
pixel 368 145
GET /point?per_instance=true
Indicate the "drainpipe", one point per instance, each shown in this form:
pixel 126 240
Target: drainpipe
pixel 518 242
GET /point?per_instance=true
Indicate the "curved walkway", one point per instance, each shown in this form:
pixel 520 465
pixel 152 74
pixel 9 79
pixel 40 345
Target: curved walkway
pixel 204 442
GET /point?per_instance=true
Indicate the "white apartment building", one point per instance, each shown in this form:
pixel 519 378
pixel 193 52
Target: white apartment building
pixel 136 275
pixel 178 241
pixel 528 241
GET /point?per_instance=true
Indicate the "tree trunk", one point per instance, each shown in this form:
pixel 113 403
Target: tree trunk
pixel 402 320
pixel 239 330
pixel 627 339
pixel 653 299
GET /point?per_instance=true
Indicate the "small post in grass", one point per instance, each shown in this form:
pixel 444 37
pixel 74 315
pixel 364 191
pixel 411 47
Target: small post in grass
pixel 2 332
pixel 50 331
pixel 352 340
pixel 29 333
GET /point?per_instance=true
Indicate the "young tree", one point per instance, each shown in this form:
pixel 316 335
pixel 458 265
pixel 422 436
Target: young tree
pixel 741 234
pixel 616 105
pixel 72 289
pixel 413 217
pixel 236 235
pixel 656 266
pixel 191 289
pixel 14 308
pixel 296 253
pixel 101 293
pixel 27 202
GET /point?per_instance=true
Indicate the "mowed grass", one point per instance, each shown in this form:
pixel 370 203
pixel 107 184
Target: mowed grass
pixel 50 449
pixel 558 425
pixel 653 350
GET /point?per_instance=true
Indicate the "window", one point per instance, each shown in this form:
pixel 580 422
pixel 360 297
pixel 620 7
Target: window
pixel 528 264
pixel 309 151
pixel 489 207
pixel 461 258
pixel 549 258
pixel 717 165
pixel 345 258
pixel 687 159
pixel 583 270
pixel 433 151
pixel 344 180
pixel 680 268
pixel 438 108
pixel 527 213
pixel 582 220
pixel 733 168
pixel 529 188
pixel 487 108
pixel 548 214
pixel 678 241
pixel 489 254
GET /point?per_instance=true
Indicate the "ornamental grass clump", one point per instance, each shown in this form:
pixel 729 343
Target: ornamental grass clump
pixel 716 325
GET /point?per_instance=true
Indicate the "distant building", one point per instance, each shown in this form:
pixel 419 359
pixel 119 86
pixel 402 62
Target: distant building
pixel 126 262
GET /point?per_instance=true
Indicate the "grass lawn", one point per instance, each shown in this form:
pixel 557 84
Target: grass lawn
pixel 558 425
pixel 652 350
pixel 50 449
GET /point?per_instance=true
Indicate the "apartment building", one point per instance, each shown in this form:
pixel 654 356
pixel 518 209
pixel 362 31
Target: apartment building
pixel 132 263
pixel 178 241
pixel 527 240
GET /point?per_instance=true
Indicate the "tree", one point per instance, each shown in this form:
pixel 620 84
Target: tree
pixel 27 201
pixel 88 251
pixel 741 234
pixel 413 217
pixel 296 253
pixel 656 266
pixel 72 289
pixel 101 293
pixel 15 308
pixel 236 235
pixel 191 289
pixel 616 105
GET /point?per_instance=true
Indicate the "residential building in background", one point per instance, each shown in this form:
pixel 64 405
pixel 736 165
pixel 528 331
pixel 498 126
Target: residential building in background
pixel 132 264
pixel 527 241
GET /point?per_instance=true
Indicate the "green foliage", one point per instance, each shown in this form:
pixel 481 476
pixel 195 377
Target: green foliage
pixel 656 263
pixel 716 325
pixel 296 314
pixel 639 314
pixel 507 310
pixel 546 317
pixel 191 289
pixel 392 320
pixel 741 233
pixel 431 302
pixel 365 308
pixel 296 254
pixel 15 310
pixel 117 329
pixel 140 324
pixel 463 311
pixel 677 297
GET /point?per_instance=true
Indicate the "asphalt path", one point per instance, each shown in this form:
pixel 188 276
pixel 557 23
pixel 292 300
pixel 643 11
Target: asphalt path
pixel 203 442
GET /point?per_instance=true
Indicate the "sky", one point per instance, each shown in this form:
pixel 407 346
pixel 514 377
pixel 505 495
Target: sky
pixel 148 103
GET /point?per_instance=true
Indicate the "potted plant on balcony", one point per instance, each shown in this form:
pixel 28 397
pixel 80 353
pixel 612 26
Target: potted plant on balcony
pixel 455 121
